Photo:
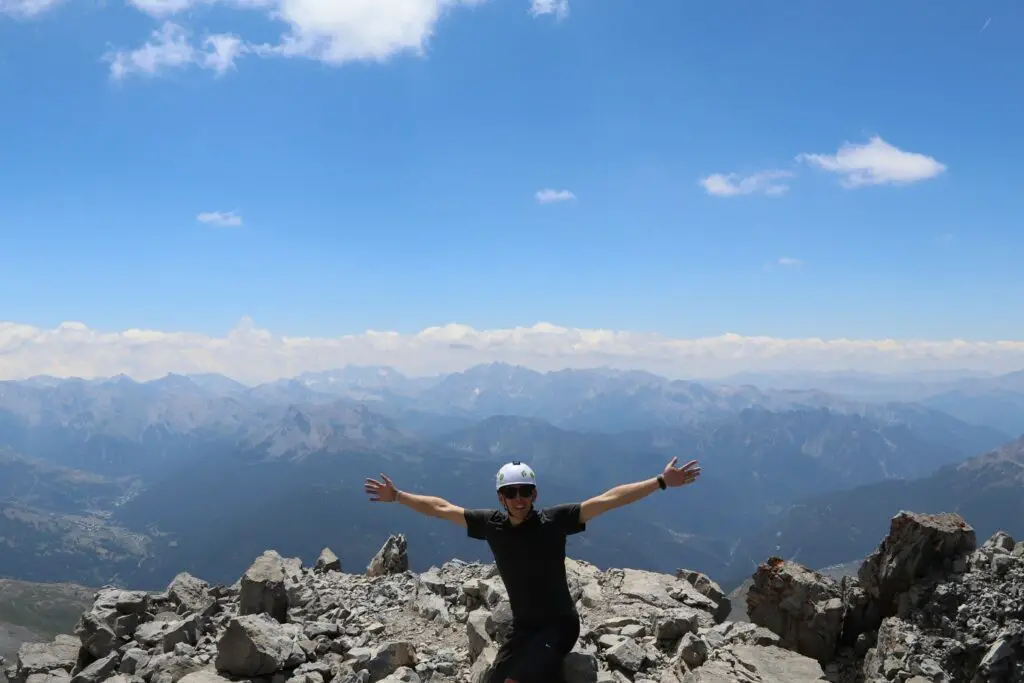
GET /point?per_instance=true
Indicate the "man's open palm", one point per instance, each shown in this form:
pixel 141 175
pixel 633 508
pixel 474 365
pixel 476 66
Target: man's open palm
pixel 680 476
pixel 381 492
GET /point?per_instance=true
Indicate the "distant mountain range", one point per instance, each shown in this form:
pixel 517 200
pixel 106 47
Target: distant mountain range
pixel 117 480
pixel 604 400
pixel 994 401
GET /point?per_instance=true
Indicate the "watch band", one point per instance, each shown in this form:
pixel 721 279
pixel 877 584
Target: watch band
pixel 661 482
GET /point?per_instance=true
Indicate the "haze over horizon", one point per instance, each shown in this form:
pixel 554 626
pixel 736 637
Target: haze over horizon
pixel 250 354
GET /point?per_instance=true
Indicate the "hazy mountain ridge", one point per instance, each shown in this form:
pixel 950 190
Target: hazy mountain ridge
pixel 599 400
pixel 993 401
pixel 214 470
pixel 831 527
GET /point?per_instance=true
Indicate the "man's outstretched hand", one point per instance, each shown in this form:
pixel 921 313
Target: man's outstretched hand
pixel 381 492
pixel 680 476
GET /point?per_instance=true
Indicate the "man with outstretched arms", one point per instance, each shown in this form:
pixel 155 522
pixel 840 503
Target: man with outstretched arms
pixel 529 550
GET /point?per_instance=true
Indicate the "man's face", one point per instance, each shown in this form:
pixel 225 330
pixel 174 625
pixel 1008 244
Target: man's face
pixel 518 499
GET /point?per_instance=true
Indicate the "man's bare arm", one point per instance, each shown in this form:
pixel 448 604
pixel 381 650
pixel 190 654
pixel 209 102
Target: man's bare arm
pixel 384 491
pixel 433 506
pixel 617 497
pixel 625 494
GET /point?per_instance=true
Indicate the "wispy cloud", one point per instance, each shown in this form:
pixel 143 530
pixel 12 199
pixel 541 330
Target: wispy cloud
pixel 26 8
pixel 735 184
pixel 251 354
pixel 559 8
pixel 789 262
pixel 170 47
pixel 223 219
pixel 875 162
pixel 549 196
pixel 163 8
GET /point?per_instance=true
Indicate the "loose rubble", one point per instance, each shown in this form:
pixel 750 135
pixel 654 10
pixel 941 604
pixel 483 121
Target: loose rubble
pixel 926 607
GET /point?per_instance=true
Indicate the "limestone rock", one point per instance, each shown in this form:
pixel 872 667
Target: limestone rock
pixel 190 594
pixel 709 589
pixel 392 558
pixel 754 664
pixel 803 607
pixel 256 645
pixel 43 658
pixel 916 546
pixel 100 670
pixel 263 589
pixel 327 562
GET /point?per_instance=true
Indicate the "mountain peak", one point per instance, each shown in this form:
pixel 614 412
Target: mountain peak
pixel 287 619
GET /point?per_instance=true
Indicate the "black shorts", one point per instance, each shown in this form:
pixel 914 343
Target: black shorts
pixel 534 653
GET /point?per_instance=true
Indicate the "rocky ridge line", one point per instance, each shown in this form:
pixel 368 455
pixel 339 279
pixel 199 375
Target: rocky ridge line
pixel 927 606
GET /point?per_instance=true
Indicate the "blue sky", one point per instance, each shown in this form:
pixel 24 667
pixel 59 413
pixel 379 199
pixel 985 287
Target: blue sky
pixel 380 187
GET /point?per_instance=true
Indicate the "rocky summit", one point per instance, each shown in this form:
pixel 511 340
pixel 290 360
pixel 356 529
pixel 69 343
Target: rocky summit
pixel 926 606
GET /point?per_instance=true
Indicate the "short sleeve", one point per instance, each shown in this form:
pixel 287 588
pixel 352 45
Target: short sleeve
pixel 476 522
pixel 566 518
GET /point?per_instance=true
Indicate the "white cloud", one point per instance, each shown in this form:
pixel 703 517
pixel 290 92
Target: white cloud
pixel 549 196
pixel 875 162
pixel 339 32
pixel 560 8
pixel 170 47
pixel 789 262
pixel 734 184
pixel 26 8
pixel 224 219
pixel 331 31
pixel 250 354
pixel 162 8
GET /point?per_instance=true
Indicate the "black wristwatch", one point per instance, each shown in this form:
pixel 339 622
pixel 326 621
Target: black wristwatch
pixel 661 482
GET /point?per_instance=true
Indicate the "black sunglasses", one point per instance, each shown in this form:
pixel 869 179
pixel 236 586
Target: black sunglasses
pixel 520 491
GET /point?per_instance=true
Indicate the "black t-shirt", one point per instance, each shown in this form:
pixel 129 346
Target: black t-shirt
pixel 531 558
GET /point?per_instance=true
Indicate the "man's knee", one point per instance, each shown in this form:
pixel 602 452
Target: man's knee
pixel 511 680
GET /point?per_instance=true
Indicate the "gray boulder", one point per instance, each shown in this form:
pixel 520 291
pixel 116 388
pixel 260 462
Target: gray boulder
pixel 263 588
pixel 258 645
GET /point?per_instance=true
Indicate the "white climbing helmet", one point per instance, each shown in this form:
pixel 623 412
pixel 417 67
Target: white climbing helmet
pixel 514 473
